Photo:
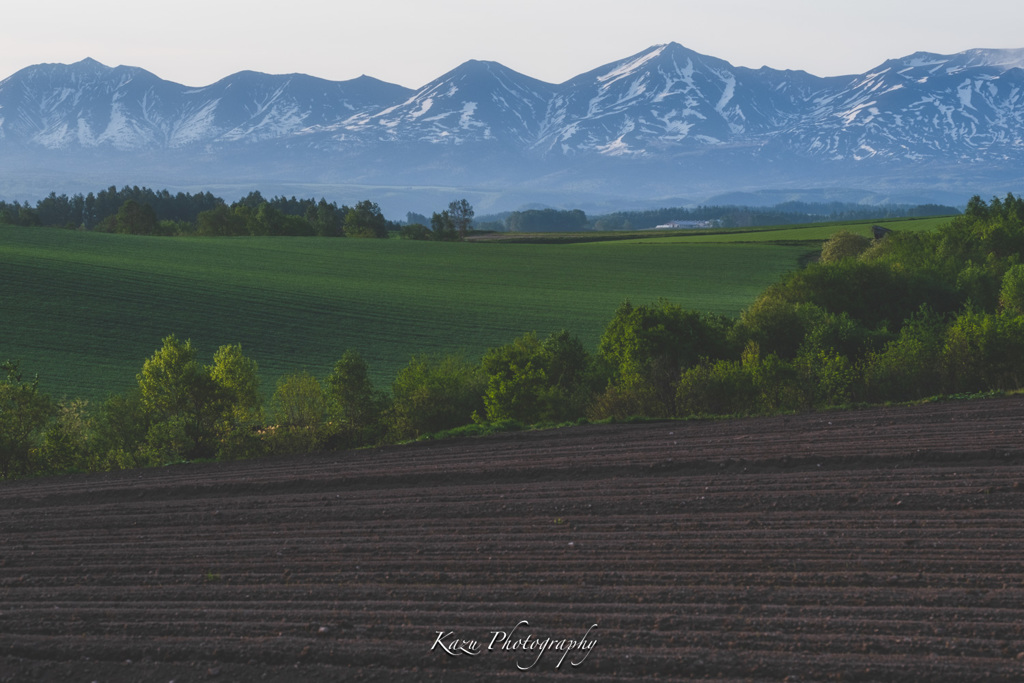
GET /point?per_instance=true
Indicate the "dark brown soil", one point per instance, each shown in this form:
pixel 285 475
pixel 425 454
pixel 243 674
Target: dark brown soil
pixel 874 545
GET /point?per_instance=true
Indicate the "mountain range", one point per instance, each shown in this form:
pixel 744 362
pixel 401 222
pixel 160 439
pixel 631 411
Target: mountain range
pixel 667 125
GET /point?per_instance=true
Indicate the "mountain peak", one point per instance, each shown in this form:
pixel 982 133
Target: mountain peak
pixel 90 62
pixel 1004 58
pixel 662 107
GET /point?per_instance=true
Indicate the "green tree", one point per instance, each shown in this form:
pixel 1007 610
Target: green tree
pixel 907 368
pixel 433 394
pixel 67 441
pixel 365 220
pixel 302 413
pixel 983 352
pixel 777 326
pixel 442 227
pixel 221 221
pixel 461 213
pixel 980 283
pixel 134 218
pixel 532 381
pixel 24 412
pixel 121 426
pixel 723 387
pixel 359 404
pixel 827 377
pixel 844 244
pixel 1011 294
pixel 875 292
pixel 183 402
pixel 648 346
pixel 238 378
pixel 327 219
pixel 777 382
pixel 415 231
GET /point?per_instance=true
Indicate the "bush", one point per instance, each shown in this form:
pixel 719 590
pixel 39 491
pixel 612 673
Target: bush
pixel 648 346
pixel 302 413
pixel 359 406
pixel 66 444
pixel 24 412
pixel 433 394
pixel 842 245
pixel 1011 293
pixel 531 381
pixel 777 326
pixel 415 231
pixel 907 368
pixel 719 388
pixel 827 377
pixel 983 352
pixel 626 399
pixel 873 293
pixel 777 383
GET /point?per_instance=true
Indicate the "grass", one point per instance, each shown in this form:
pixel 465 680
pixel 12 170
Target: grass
pixel 84 310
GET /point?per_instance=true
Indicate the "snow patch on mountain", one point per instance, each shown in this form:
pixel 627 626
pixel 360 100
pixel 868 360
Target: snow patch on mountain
pixel 630 66
pixel 425 106
pixel 727 93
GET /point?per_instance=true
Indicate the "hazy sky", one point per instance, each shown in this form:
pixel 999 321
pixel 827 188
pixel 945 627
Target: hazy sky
pixel 410 42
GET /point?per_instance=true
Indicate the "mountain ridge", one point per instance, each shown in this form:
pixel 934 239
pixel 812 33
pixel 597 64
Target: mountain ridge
pixel 664 122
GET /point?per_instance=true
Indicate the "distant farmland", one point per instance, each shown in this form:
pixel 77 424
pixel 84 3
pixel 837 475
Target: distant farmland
pixel 84 310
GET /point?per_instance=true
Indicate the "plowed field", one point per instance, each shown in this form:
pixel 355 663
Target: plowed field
pixel 875 545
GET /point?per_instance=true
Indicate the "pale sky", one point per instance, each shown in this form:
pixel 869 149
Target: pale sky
pixel 411 42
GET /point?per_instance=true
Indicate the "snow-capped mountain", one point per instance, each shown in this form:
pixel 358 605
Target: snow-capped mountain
pixel 87 105
pixel 669 97
pixel 666 122
pixel 476 102
pixel 966 107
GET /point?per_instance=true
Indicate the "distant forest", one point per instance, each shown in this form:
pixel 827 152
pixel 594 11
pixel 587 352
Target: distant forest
pixel 136 210
pixel 788 213
pixel 780 214
pixel 142 211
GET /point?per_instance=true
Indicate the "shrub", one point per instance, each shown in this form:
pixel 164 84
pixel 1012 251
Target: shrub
pixel 777 384
pixel 844 244
pixel 415 231
pixel 66 444
pixel 907 368
pixel 531 381
pixel 433 394
pixel 302 414
pixel 359 406
pixel 716 388
pixel 983 352
pixel 1011 294
pixel 24 412
pixel 827 377
pixel 777 326
pixel 648 346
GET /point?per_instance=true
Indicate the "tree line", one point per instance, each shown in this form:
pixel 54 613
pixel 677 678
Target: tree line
pixel 786 213
pixel 142 211
pixel 135 210
pixel 900 318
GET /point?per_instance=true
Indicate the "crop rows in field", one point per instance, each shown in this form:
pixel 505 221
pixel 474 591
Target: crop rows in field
pixel 85 310
pixel 873 545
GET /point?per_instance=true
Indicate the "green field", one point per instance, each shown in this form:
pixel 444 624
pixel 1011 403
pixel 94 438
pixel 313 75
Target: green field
pixel 84 310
